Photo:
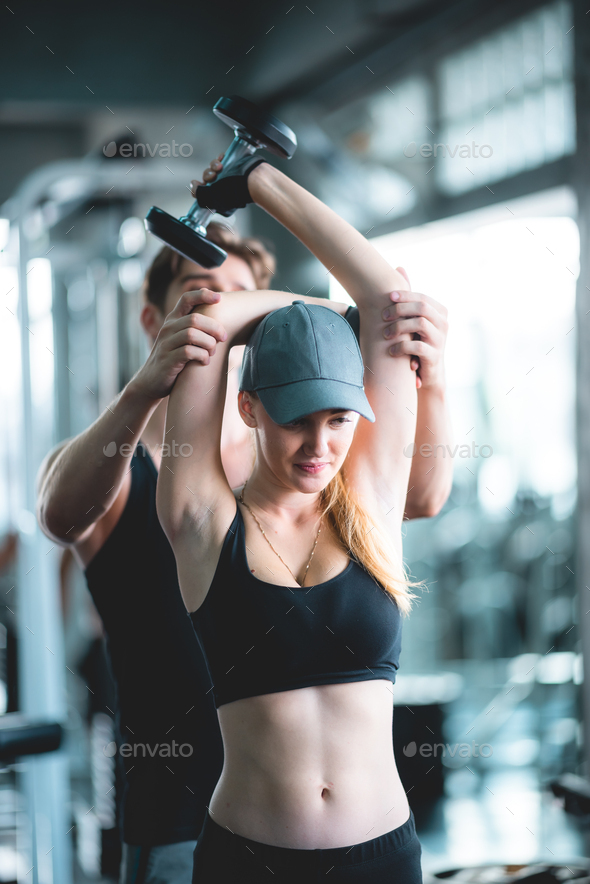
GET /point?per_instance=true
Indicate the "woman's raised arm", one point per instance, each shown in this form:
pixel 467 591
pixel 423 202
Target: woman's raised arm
pixel 376 459
pixel 344 252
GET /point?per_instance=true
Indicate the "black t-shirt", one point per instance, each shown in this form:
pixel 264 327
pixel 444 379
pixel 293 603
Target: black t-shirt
pixel 171 752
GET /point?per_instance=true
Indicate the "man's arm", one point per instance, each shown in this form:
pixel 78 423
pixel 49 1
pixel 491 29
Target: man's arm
pixel 431 475
pixel 425 320
pixel 79 481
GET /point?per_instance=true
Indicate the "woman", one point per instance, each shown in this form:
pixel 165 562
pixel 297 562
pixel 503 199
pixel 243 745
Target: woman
pixel 294 581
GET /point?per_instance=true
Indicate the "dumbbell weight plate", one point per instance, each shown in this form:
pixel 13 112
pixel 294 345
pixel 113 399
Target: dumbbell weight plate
pixel 184 240
pixel 268 131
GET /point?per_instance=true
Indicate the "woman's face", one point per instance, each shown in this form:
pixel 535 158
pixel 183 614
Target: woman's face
pixel 305 454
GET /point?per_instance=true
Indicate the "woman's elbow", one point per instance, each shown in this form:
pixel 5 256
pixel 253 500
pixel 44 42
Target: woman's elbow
pixel 427 505
pixel 426 510
pixel 52 523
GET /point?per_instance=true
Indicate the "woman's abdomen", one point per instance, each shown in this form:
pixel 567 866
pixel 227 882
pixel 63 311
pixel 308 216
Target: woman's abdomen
pixel 310 768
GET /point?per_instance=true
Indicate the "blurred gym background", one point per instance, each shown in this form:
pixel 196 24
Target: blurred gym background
pixel 456 136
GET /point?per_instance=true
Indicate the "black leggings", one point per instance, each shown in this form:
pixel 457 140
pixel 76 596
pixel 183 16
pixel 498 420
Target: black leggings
pixel 221 856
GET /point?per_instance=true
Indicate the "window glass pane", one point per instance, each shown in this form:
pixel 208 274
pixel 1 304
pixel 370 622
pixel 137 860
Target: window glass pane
pixel 513 91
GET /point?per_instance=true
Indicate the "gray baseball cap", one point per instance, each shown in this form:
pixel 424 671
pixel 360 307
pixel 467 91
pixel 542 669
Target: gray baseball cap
pixel 305 358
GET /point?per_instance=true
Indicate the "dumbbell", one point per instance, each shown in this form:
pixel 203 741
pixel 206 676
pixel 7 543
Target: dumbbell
pixel 254 130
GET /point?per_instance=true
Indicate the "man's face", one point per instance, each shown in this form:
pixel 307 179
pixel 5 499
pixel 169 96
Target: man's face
pixel 233 275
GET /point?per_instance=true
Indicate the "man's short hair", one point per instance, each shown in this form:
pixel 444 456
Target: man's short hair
pixel 165 267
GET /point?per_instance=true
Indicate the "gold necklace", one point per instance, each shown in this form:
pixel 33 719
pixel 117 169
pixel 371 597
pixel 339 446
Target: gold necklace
pixel 241 499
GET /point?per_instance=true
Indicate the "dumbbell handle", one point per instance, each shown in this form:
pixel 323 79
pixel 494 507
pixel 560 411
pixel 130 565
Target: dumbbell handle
pixel 197 218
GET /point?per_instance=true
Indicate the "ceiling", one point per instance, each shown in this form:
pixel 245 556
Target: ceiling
pixel 69 56
pixel 74 75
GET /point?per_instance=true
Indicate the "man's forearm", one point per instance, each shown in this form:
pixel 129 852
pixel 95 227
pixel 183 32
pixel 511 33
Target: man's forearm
pixel 431 476
pixel 85 477
pixel 345 252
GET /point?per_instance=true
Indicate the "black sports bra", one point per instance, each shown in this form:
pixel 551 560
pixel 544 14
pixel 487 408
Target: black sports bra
pixel 260 638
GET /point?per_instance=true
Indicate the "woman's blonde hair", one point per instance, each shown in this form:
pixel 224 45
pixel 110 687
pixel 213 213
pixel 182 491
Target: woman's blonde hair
pixel 366 540
pixel 364 537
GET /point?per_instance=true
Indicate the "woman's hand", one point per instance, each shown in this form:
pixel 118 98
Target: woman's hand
pixel 184 337
pixel 210 174
pixel 417 327
pixel 226 191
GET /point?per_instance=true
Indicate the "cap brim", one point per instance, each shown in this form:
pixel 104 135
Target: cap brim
pixel 289 402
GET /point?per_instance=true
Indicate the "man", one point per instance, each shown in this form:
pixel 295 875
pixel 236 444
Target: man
pixel 95 500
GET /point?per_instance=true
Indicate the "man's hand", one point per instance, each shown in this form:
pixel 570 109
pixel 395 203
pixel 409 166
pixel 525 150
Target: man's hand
pixel 183 338
pixel 426 321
